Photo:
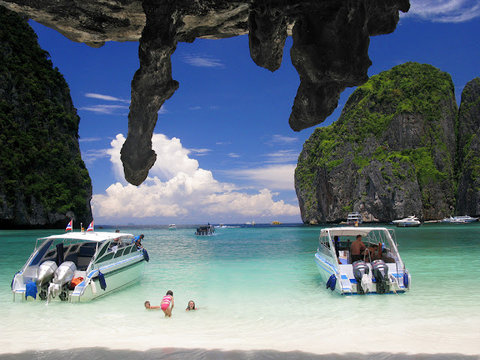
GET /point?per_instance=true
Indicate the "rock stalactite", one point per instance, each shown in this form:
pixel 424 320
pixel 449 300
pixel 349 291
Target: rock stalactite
pixel 330 47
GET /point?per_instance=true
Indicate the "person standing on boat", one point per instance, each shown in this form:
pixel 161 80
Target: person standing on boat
pixel 167 303
pixel 138 241
pixel 357 249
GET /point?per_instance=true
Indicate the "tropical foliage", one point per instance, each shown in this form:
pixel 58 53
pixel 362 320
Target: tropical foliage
pixel 366 132
pixel 40 163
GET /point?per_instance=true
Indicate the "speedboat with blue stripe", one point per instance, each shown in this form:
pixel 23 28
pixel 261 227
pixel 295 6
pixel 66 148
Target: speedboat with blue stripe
pixel 379 271
pixel 79 266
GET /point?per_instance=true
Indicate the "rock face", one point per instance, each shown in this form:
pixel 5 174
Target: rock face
pixel 468 197
pixel 330 47
pixel 391 153
pixel 43 180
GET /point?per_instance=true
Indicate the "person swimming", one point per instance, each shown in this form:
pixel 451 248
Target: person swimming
pixel 191 306
pixel 167 303
pixel 150 307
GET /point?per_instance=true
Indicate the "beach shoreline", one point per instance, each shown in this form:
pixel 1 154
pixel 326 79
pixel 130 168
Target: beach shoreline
pixel 199 353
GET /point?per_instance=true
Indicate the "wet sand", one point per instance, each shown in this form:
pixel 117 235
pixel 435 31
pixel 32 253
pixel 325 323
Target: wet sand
pixel 192 354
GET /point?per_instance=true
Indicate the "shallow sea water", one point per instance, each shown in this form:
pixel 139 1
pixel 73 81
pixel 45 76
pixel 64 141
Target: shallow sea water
pixel 259 296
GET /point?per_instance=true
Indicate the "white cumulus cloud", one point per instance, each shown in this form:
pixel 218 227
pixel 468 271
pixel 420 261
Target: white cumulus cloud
pixel 178 187
pixel 447 11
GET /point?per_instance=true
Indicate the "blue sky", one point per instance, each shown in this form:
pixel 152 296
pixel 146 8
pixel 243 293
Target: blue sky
pixel 225 151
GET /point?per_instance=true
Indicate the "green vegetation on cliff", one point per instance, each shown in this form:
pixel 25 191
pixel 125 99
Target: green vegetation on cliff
pixel 40 165
pixel 401 125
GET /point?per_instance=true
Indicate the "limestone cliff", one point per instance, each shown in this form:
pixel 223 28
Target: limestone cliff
pixel 468 197
pixel 330 47
pixel 390 154
pixel 43 180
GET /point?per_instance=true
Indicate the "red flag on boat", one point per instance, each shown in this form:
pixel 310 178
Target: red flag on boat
pixel 69 226
pixel 90 227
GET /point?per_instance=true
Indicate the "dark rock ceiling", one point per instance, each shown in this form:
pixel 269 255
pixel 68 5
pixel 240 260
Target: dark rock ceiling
pixel 329 52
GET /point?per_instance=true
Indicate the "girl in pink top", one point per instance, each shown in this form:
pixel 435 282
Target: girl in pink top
pixel 167 303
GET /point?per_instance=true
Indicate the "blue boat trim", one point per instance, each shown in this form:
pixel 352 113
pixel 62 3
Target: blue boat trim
pixel 320 263
pixel 103 268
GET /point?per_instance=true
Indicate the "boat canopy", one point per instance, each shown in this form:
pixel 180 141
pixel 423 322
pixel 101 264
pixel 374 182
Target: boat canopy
pixel 89 236
pixel 352 231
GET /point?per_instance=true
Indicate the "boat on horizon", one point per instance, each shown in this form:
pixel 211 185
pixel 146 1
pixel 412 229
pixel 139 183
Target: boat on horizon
pixel 409 221
pixel 172 227
pixel 381 275
pixel 206 230
pixel 79 266
pixel 354 218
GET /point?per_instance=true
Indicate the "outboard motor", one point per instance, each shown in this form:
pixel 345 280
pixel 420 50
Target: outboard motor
pixel 45 273
pixel 63 275
pixel 380 272
pixel 360 272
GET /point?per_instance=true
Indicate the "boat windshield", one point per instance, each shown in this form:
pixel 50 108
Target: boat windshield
pixel 371 237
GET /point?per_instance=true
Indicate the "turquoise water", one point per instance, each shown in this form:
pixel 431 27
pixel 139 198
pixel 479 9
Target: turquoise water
pixel 258 289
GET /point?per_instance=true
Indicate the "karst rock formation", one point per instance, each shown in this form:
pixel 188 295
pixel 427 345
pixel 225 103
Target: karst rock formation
pixel 330 47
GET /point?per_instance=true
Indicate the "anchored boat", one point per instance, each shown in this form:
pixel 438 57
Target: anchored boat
pixel 410 221
pixel 354 218
pixel 207 230
pixel 380 271
pixel 465 219
pixel 79 266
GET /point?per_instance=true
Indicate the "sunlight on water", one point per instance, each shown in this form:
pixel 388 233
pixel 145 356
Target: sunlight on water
pixel 258 288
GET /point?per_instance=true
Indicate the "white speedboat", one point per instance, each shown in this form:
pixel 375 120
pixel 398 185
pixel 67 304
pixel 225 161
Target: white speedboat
pixel 172 227
pixel 354 218
pixel 464 219
pixel 79 266
pixel 380 273
pixel 410 221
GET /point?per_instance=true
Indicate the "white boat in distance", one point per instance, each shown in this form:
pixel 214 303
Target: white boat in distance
pixel 382 276
pixel 354 218
pixel 172 227
pixel 79 266
pixel 464 219
pixel 410 221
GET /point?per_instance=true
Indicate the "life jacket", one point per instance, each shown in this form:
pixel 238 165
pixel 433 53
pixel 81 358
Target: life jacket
pixel 75 282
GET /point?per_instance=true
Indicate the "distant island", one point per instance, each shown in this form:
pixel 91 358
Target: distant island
pixel 43 179
pixel 400 147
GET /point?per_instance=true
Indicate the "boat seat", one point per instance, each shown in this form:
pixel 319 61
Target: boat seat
pixel 86 251
pixel 71 257
pixel 82 262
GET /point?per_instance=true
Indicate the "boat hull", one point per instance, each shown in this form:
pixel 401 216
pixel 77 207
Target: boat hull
pixel 408 224
pixel 115 280
pixel 345 283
